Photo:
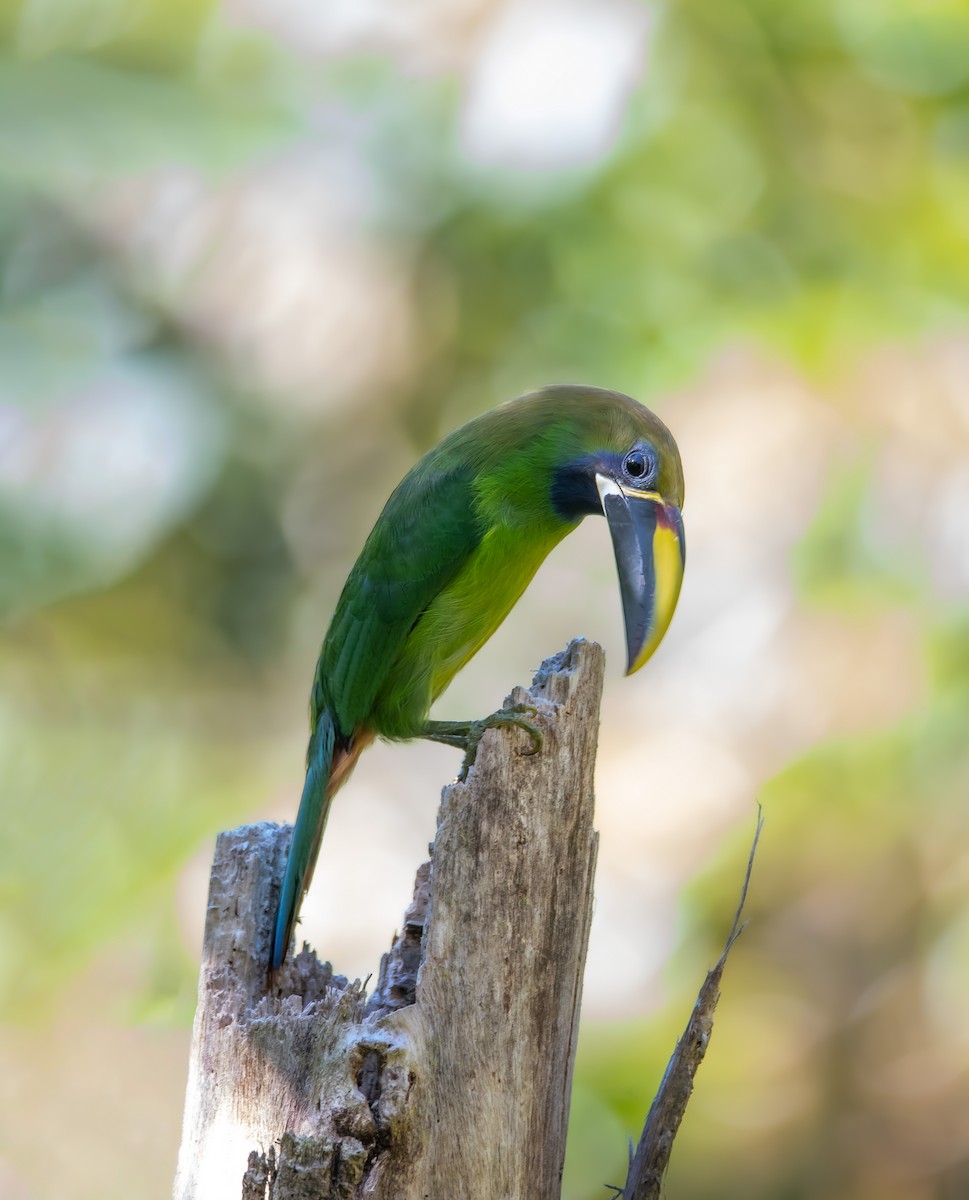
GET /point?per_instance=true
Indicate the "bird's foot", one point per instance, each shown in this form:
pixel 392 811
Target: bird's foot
pixel 515 716
pixel 466 735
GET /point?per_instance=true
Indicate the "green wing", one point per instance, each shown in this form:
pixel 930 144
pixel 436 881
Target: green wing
pixel 425 534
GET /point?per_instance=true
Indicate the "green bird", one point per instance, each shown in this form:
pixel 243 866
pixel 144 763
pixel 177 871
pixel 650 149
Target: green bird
pixel 454 548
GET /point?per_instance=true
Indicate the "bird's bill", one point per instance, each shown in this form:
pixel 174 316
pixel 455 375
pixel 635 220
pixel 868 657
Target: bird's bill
pixel 647 537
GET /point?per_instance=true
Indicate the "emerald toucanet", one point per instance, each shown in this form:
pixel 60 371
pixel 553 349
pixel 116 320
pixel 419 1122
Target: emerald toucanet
pixel 452 551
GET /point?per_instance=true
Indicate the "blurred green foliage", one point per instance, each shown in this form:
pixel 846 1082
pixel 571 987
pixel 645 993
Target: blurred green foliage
pixel 173 523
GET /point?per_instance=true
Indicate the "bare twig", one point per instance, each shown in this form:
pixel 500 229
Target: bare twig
pixel 648 1166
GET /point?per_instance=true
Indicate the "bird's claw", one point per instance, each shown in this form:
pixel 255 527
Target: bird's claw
pixel 518 713
pixel 515 715
pixel 504 718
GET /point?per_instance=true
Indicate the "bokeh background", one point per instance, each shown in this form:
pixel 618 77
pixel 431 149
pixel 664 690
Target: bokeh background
pixel 255 257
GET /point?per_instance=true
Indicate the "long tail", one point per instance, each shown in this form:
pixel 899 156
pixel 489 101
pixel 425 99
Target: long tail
pixel 314 806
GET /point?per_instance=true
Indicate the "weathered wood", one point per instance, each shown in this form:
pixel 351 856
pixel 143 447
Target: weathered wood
pixel 453 1080
pixel 648 1166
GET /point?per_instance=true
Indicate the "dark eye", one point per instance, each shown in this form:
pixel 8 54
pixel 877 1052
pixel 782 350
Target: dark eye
pixel 637 464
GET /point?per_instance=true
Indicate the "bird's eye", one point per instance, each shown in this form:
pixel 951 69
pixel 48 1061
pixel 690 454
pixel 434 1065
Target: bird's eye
pixel 636 464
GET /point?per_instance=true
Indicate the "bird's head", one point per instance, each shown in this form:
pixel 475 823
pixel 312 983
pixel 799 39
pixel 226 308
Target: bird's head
pixel 621 461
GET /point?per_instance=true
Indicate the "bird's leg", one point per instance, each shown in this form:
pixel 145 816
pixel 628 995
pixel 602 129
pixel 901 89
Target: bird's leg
pixel 465 735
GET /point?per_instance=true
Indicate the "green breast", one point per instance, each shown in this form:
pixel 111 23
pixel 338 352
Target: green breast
pixel 458 622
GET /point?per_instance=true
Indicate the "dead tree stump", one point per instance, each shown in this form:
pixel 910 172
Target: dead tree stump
pixel 452 1081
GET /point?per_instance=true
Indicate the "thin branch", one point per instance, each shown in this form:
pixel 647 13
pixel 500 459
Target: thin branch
pixel 648 1166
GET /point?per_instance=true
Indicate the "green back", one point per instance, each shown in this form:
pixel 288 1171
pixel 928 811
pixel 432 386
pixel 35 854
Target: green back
pixel 425 535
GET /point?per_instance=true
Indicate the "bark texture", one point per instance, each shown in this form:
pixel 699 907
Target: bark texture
pixel 453 1079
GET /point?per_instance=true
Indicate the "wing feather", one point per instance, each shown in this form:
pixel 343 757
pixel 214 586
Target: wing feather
pixel 424 536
